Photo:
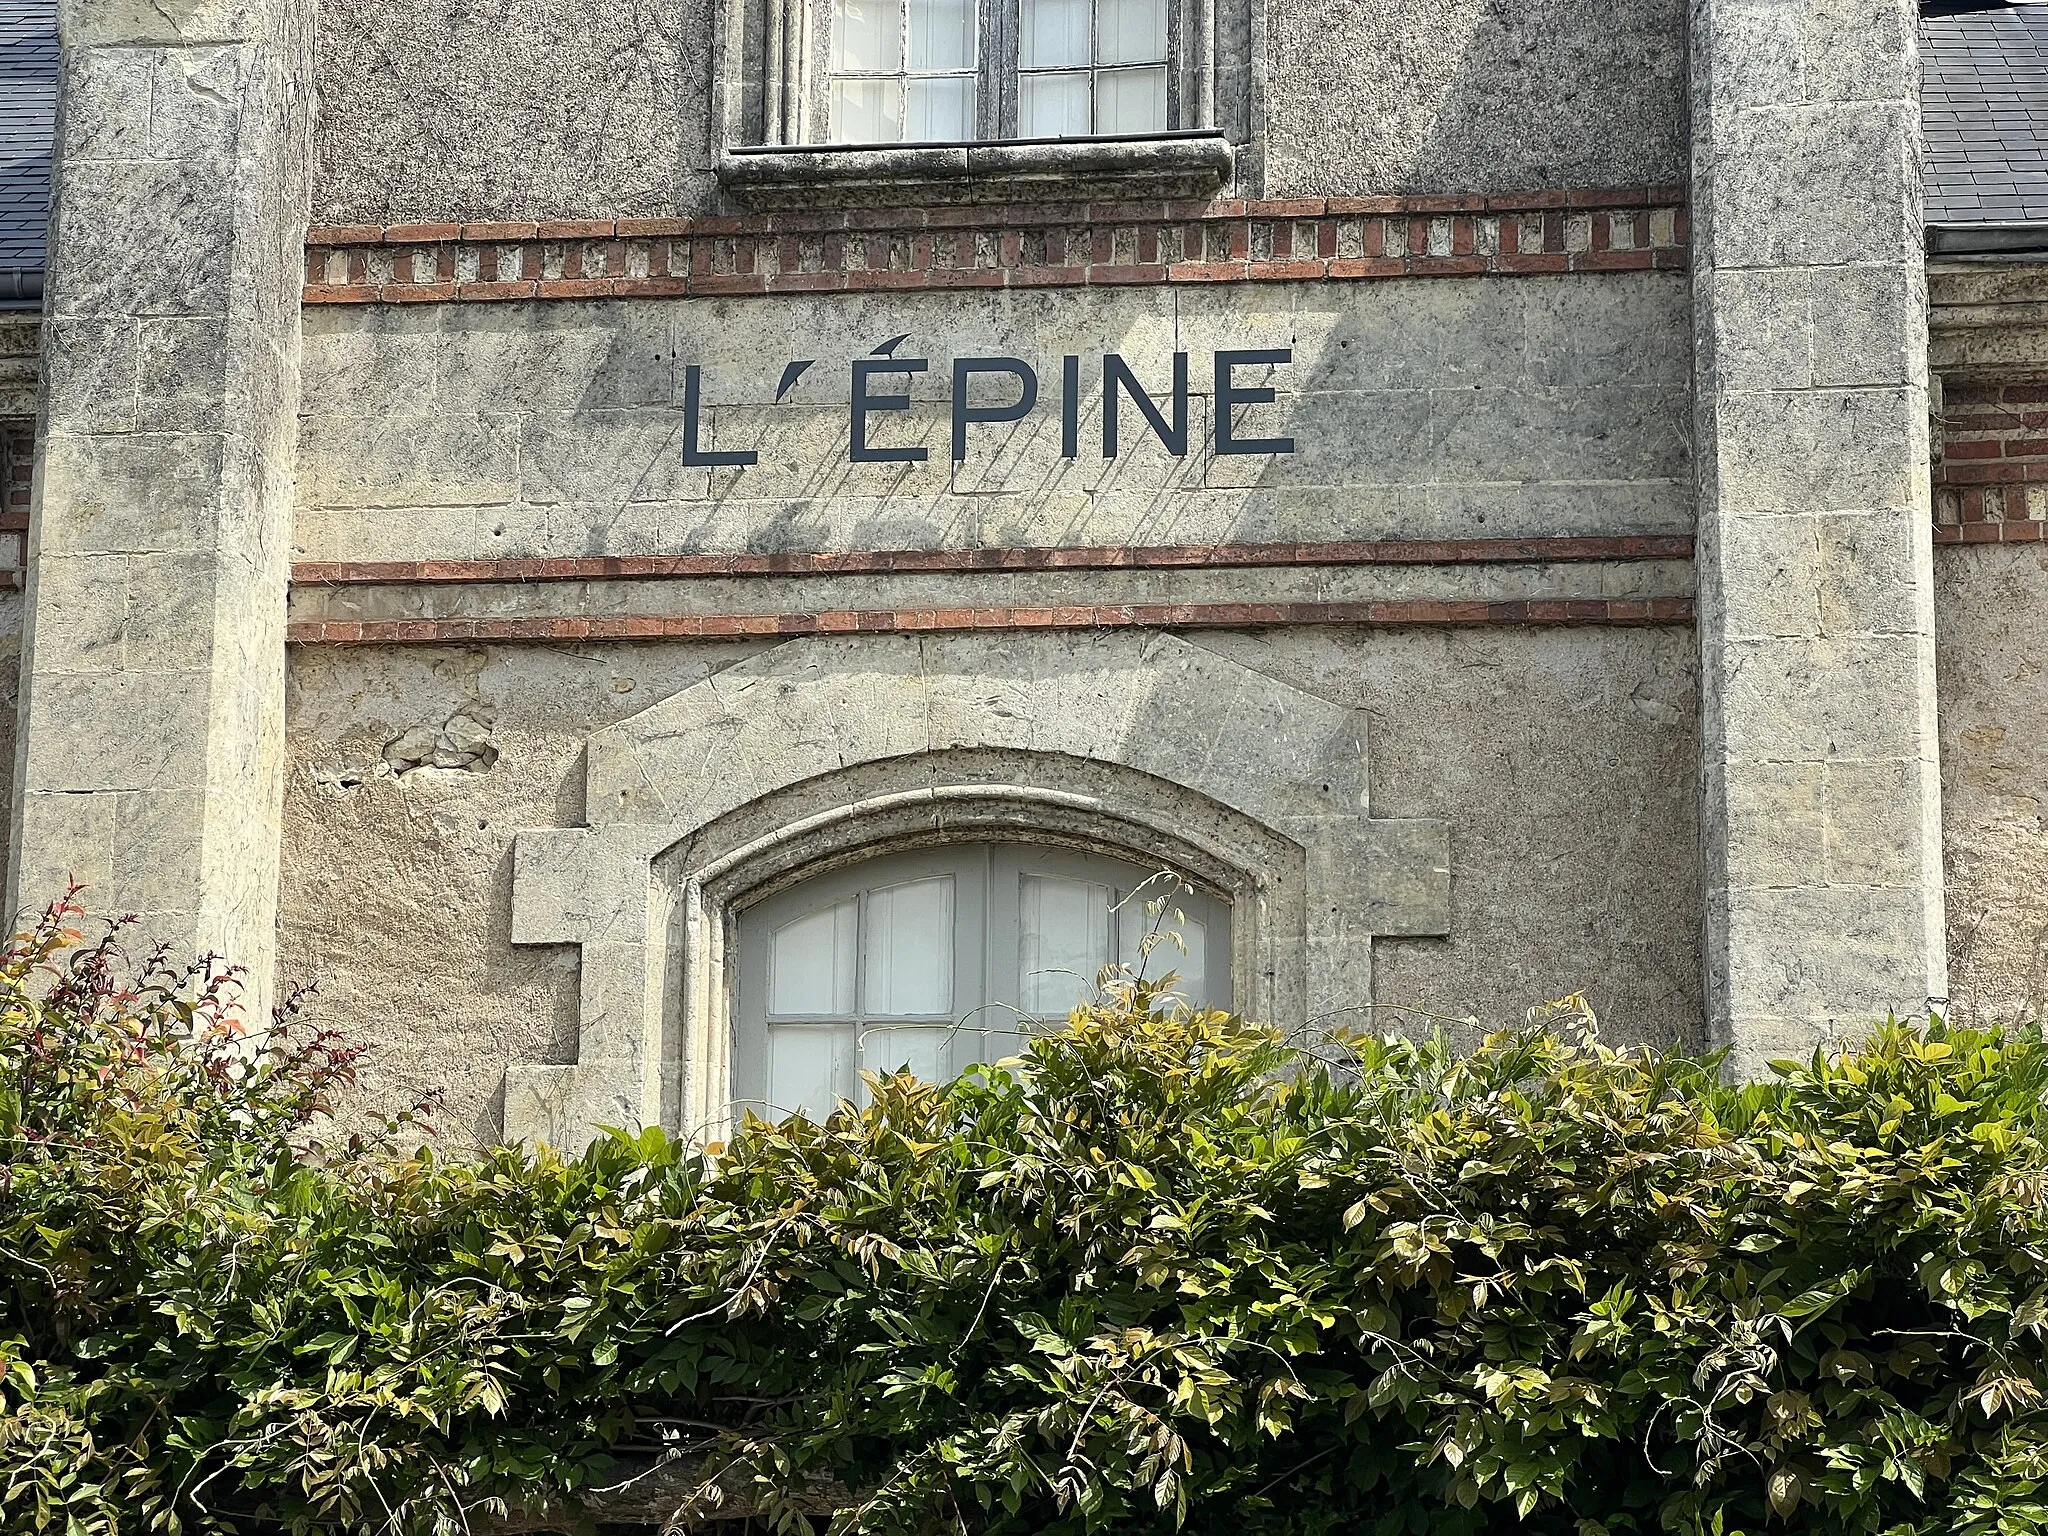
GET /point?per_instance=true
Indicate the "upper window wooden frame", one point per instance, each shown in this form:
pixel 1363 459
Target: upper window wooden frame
pixel 776 140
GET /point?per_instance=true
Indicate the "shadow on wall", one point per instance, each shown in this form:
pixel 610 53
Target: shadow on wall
pixel 498 109
pixel 1386 96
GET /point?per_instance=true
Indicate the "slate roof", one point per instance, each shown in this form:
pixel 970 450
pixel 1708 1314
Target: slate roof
pixel 28 111
pixel 1984 99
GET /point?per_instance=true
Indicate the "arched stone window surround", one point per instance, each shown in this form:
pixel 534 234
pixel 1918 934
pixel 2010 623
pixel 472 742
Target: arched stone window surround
pixel 1258 872
pixel 824 750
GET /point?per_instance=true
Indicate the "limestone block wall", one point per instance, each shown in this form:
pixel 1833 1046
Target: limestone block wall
pixel 17 480
pixel 20 344
pixel 1562 762
pixel 1460 541
pixel 529 109
pixel 1419 409
pixel 1464 96
pixel 1991 602
pixel 1991 598
pixel 148 761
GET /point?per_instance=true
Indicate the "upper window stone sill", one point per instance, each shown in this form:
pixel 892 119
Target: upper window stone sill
pixel 1192 163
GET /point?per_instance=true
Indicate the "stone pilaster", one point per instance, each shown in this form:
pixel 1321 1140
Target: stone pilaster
pixel 1821 778
pixel 149 756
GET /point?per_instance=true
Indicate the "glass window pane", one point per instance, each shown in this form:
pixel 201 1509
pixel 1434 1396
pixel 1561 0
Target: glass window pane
pixel 1134 923
pixel 868 35
pixel 923 1051
pixel 1051 106
pixel 1130 100
pixel 1054 34
pixel 1062 942
pixel 810 964
pixel 807 1068
pixel 1130 31
pixel 907 949
pixel 942 34
pixel 867 111
pixel 939 107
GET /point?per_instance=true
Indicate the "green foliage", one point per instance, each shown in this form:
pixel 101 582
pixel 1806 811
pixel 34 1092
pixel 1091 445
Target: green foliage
pixel 1162 1272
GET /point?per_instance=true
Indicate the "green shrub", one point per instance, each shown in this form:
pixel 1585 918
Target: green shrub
pixel 1162 1272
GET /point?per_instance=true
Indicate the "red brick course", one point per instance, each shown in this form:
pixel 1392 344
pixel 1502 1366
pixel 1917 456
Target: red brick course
pixel 1067 245
pixel 697 626
pixel 1991 533
pixel 1991 481
pixel 896 561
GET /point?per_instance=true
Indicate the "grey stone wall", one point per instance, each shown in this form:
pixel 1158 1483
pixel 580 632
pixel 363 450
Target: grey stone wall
pixel 10 689
pixel 529 109
pixel 454 109
pixel 149 756
pixel 1991 603
pixel 1562 761
pixel 1370 96
pixel 1991 600
pixel 399 875
pixel 1420 408
pixel 1822 819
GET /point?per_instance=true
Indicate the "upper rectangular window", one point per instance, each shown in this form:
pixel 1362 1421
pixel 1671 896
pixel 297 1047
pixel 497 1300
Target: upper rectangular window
pixel 954 71
pixel 1091 67
pixel 904 71
pixel 872 102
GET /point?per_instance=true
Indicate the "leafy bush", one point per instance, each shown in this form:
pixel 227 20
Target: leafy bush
pixel 1164 1271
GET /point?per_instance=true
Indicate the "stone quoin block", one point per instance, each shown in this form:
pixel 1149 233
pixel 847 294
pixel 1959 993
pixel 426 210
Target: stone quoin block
pixel 1815 581
pixel 148 760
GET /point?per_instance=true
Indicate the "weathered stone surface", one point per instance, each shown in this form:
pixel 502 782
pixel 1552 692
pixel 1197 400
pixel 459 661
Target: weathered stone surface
pixel 400 886
pixel 150 753
pixel 20 349
pixel 1563 763
pixel 1822 821
pixel 1472 95
pixel 1204 732
pixel 905 592
pixel 1991 602
pixel 1419 409
pixel 1566 767
pixel 540 109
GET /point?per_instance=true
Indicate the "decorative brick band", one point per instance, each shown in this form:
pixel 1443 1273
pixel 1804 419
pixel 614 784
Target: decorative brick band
pixel 1991 533
pixel 1079 558
pixel 1053 245
pixel 1408 613
pixel 1991 484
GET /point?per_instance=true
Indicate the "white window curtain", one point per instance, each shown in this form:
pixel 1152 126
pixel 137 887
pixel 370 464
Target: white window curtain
pixel 1091 67
pixel 903 71
pixel 938 959
pixel 919 71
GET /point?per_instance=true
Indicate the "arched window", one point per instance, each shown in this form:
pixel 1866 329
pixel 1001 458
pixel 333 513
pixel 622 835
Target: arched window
pixel 942 957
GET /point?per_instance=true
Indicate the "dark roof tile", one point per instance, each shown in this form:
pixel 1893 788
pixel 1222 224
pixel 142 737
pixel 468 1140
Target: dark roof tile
pixel 1984 104
pixel 28 112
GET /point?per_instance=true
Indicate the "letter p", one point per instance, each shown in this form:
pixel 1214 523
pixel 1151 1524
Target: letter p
pixel 964 368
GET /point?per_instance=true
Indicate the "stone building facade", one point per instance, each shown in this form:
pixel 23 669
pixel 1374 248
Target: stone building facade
pixel 652 604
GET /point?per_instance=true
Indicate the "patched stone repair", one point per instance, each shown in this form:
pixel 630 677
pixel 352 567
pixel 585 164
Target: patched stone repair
pixel 463 743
